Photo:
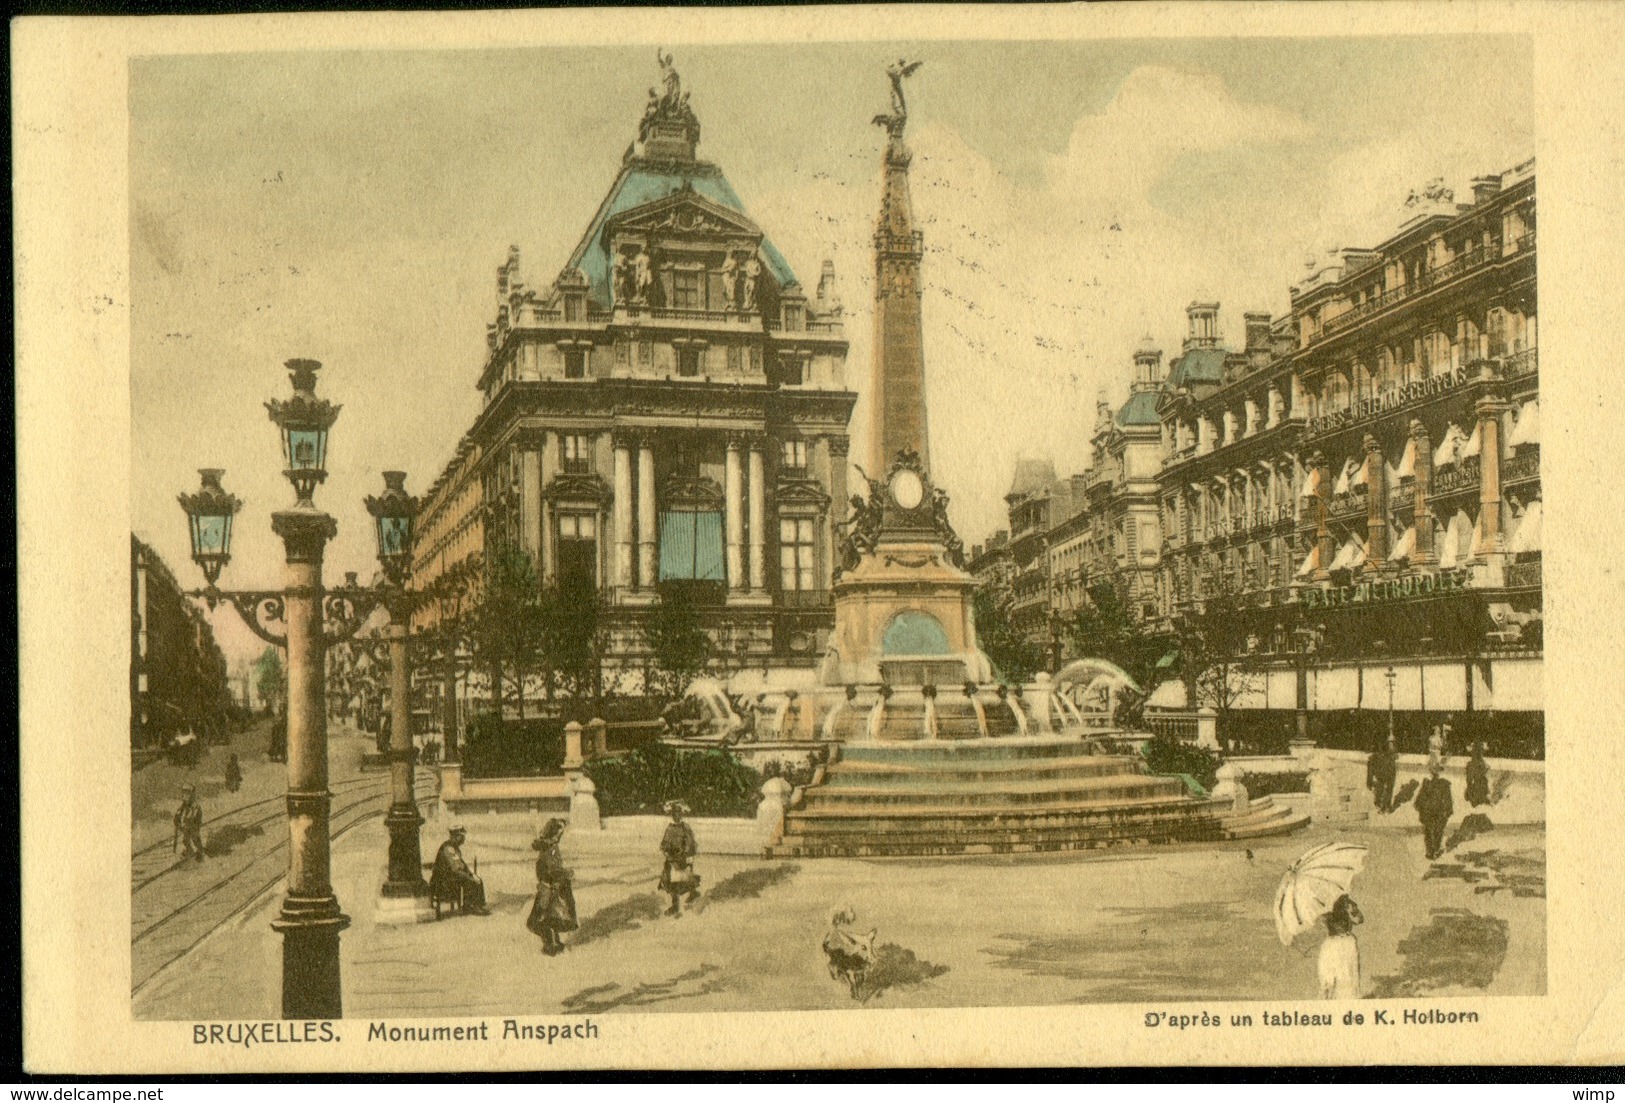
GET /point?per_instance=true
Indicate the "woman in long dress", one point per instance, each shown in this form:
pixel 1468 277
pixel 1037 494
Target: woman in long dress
pixel 554 911
pixel 1340 953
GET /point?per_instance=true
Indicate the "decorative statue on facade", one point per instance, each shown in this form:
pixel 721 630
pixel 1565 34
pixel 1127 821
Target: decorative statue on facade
pixel 895 121
pixel 950 539
pixel 642 277
pixel 1434 192
pixel 753 270
pixel 730 280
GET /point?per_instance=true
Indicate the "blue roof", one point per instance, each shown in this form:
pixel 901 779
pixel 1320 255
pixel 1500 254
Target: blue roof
pixel 1198 366
pixel 1140 409
pixel 645 182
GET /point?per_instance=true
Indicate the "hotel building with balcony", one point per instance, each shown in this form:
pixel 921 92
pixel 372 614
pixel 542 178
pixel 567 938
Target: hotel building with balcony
pixel 1355 490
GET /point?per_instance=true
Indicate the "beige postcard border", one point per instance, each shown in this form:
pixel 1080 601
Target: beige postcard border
pixel 71 247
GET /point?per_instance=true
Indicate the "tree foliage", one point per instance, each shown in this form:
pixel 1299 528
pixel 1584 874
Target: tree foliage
pixel 269 678
pixel 681 647
pixel 1014 656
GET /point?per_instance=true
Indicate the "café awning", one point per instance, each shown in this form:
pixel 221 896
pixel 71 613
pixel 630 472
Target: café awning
pixel 1406 547
pixel 1445 454
pixel 1527 429
pixel 1407 462
pixel 1310 562
pixel 1527 536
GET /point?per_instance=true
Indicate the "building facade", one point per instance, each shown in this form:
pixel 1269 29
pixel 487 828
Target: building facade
pixel 1349 503
pixel 671 411
pixel 178 676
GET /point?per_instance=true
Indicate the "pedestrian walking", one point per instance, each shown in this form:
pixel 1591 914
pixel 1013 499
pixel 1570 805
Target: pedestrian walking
pixel 234 774
pixel 189 825
pixel 1340 953
pixel 553 912
pixel 1381 770
pixel 678 847
pixel 452 880
pixel 1477 790
pixel 1433 807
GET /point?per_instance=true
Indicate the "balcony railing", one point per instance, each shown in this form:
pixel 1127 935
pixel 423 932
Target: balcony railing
pixel 1520 364
pixel 1428 280
pixel 1522 468
pixel 1523 575
pixel 1350 501
pixel 1452 480
pixel 804 599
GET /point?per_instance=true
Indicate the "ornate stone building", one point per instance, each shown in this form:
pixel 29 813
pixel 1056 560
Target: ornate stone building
pixel 450 533
pixel 1353 493
pixel 671 411
pixel 1230 424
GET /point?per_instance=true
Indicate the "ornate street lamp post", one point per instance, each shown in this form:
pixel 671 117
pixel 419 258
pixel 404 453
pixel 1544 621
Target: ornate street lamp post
pixel 393 514
pixel 310 619
pixel 1392 676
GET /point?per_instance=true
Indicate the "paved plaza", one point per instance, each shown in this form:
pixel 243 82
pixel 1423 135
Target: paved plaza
pixel 1134 925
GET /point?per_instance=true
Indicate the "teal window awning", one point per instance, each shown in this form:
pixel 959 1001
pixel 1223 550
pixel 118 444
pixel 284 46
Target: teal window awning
pixel 691 546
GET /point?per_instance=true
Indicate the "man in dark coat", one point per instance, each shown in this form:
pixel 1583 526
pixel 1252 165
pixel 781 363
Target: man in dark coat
pixel 1433 807
pixel 1380 771
pixel 453 880
pixel 234 774
pixel 1478 778
pixel 678 847
pixel 189 824
pixel 553 913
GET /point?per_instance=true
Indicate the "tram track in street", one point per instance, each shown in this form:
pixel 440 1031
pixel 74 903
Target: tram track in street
pixel 169 937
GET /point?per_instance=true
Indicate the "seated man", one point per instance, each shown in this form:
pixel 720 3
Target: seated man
pixel 453 880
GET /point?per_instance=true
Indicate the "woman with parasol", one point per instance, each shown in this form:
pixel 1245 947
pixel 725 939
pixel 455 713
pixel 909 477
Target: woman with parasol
pixel 1315 891
pixel 554 911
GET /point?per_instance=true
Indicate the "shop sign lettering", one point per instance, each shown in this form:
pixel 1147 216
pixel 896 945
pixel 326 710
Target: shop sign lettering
pixel 1392 589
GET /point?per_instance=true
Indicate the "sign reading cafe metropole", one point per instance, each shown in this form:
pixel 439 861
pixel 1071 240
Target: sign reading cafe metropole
pixel 1366 593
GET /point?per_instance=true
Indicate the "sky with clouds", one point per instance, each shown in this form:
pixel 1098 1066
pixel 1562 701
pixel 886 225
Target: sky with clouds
pixel 353 207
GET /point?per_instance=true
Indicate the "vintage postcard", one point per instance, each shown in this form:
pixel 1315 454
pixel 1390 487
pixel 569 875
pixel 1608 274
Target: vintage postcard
pixel 820 538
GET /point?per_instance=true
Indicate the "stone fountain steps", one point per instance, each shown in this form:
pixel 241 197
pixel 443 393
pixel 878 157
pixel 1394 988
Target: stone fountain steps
pixel 936 754
pixel 1050 792
pixel 983 771
pixel 1014 795
pixel 1148 823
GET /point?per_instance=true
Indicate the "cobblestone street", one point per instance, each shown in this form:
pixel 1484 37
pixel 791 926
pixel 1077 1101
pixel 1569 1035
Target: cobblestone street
pixel 1137 925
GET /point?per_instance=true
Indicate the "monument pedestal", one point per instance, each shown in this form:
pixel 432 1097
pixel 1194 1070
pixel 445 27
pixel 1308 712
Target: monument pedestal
pixel 903 617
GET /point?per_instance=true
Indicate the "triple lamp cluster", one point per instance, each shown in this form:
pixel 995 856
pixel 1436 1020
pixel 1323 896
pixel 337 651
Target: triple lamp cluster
pixel 305 618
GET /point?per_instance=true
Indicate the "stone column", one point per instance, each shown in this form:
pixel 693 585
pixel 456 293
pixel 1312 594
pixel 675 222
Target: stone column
pixel 1204 434
pixel 547 466
pixel 1376 504
pixel 310 920
pixel 623 515
pixel 1490 411
pixel 836 485
pixel 1422 483
pixel 733 491
pixel 648 565
pixel 405 880
pixel 1251 408
pixel 758 519
pixel 530 501
pixel 1322 507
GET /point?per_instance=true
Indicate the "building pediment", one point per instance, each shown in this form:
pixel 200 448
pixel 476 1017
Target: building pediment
pixel 800 492
pixel 685 213
pixel 691 492
pixel 576 488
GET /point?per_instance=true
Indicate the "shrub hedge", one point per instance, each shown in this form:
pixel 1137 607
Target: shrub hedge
pixel 494 747
pixel 641 781
pixel 1164 755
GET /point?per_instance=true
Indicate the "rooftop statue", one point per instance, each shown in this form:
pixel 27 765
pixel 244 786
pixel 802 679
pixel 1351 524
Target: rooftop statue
pixel 895 121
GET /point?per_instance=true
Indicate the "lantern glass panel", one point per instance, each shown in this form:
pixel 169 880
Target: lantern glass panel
pixel 394 535
pixel 210 535
pixel 306 448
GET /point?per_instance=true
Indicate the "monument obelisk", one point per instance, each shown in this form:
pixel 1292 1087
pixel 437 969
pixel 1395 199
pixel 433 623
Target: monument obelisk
pixel 902 599
pixel 897 397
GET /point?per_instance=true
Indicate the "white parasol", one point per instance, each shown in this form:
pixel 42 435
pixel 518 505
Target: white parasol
pixel 1312 885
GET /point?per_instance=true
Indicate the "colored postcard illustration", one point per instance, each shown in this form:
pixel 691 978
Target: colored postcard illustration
pixel 632 534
